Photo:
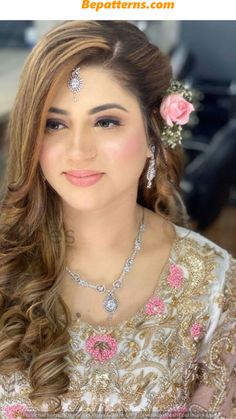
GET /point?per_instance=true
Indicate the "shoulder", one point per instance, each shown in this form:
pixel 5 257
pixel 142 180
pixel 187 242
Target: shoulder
pixel 187 233
pixel 201 249
pixel 210 273
pixel 210 267
pixel 210 283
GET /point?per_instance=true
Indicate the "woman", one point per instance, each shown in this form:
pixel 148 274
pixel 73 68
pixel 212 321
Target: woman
pixel 110 304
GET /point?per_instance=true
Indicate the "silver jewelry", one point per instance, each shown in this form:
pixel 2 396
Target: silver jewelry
pixel 151 173
pixel 110 302
pixel 75 82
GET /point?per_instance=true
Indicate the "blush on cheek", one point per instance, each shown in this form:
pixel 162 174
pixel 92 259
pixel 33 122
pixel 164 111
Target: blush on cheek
pixel 44 158
pixel 49 156
pixel 127 148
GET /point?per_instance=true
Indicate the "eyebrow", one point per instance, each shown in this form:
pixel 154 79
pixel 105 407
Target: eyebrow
pixel 91 111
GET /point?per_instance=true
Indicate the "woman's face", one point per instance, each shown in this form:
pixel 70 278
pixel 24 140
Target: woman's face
pixel 102 131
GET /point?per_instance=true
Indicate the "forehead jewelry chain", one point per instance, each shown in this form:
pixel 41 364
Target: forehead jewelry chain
pixel 75 82
pixel 110 302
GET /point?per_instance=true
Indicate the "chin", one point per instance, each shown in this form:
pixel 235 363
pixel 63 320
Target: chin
pixel 84 204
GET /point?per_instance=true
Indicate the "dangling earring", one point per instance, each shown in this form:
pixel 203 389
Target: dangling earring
pixel 151 173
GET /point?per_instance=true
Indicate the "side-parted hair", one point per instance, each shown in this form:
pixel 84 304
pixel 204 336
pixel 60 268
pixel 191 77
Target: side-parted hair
pixel 34 320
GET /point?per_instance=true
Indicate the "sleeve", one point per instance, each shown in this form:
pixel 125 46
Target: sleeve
pixel 215 392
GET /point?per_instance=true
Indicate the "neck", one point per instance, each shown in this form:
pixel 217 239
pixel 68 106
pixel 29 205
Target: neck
pixel 104 230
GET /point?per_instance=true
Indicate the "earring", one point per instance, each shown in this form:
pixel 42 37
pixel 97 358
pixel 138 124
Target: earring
pixel 151 172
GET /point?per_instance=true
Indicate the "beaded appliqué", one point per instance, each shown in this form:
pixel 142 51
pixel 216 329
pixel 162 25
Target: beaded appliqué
pixel 156 369
pixel 101 347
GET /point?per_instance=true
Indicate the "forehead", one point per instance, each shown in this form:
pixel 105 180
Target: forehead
pixel 98 86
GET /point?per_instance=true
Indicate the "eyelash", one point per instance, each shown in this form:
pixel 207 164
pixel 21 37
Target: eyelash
pixel 113 121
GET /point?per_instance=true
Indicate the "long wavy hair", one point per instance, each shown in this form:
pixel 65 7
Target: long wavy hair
pixel 34 320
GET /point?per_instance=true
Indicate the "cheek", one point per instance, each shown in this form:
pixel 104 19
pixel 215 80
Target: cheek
pixel 48 155
pixel 129 148
pixel 44 157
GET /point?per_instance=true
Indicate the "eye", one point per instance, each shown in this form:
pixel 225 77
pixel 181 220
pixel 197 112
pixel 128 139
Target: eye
pixel 53 125
pixel 108 122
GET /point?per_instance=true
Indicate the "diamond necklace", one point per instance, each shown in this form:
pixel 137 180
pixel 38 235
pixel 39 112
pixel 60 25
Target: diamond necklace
pixel 110 302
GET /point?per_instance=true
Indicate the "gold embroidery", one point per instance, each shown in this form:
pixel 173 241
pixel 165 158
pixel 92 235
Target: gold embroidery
pixel 156 365
pixel 216 370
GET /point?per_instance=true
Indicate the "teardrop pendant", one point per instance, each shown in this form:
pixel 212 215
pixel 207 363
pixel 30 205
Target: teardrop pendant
pixel 110 303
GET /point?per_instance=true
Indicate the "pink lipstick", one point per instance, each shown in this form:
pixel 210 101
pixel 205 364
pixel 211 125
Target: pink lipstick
pixel 83 177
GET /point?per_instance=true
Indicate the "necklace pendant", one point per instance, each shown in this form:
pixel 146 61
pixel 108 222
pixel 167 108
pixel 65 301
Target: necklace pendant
pixel 110 303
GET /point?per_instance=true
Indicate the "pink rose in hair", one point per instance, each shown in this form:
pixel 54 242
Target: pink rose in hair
pixel 175 109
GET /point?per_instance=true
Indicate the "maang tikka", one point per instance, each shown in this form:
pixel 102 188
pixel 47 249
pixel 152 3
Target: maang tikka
pixel 75 82
pixel 151 172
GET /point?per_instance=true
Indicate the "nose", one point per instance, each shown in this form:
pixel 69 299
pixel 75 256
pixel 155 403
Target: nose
pixel 82 146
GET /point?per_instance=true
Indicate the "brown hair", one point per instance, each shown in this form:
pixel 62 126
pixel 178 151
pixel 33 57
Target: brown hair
pixel 32 338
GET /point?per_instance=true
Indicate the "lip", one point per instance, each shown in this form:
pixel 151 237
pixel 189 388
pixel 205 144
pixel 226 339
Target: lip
pixel 83 180
pixel 83 173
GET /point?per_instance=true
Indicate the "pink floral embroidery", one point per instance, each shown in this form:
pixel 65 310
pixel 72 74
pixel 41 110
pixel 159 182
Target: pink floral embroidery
pixel 196 330
pixel 176 412
pixel 175 277
pixel 17 411
pixel 155 305
pixel 101 347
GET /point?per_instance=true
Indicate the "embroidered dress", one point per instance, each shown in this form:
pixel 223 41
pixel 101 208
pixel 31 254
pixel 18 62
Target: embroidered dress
pixel 174 358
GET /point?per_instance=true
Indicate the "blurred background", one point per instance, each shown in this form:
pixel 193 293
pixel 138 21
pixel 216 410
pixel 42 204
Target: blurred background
pixel 203 57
